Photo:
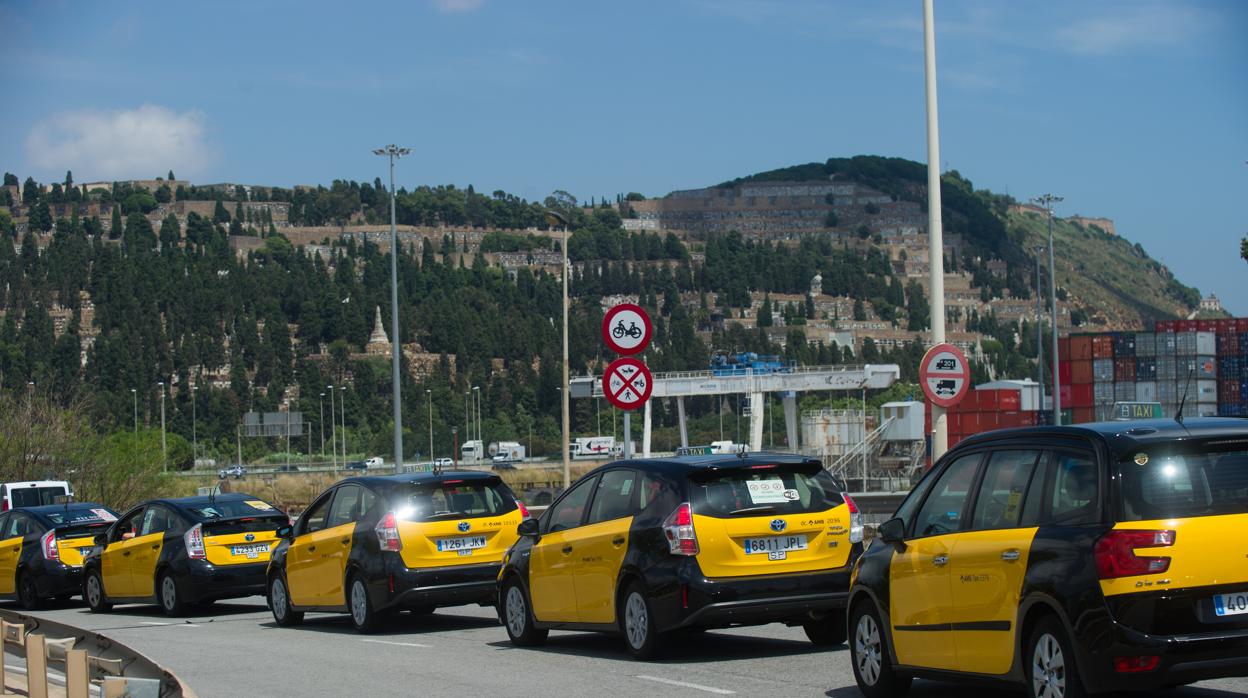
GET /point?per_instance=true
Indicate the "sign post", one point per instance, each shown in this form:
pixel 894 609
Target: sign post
pixel 626 330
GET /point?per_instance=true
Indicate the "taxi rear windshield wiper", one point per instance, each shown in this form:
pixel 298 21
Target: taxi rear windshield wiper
pixel 765 509
pixel 444 515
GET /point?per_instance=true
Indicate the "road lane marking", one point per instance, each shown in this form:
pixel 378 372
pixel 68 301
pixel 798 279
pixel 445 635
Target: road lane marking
pixel 398 644
pixel 685 684
pixel 152 622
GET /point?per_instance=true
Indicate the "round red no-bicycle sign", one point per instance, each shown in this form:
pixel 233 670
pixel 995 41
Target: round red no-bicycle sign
pixel 626 329
pixel 945 375
pixel 627 383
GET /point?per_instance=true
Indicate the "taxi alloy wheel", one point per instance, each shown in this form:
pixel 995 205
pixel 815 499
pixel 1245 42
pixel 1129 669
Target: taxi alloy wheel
pixel 363 617
pixel 1051 669
pixel 520 627
pixel 279 603
pixel 27 594
pixel 170 600
pixel 637 623
pixel 868 648
pixel 93 593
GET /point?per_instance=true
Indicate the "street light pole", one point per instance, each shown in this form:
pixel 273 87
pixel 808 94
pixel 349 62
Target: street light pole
pixel 556 218
pixel 342 415
pixel 394 152
pixel 194 428
pixel 430 394
pixel 321 422
pixel 134 394
pixel 1039 249
pixel 1047 200
pixel 333 429
pixel 164 448
pixel 476 416
pixel 935 232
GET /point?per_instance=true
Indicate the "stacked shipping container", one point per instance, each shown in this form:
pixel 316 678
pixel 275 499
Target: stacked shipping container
pixel 985 410
pixel 1206 360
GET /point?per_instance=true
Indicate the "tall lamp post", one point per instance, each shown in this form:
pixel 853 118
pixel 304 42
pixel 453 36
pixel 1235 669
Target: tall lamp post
pixel 135 394
pixel 476 416
pixel 333 429
pixel 394 152
pixel 935 233
pixel 194 428
pixel 429 393
pixel 1039 250
pixel 1047 201
pixel 557 219
pixel 164 448
pixel 321 422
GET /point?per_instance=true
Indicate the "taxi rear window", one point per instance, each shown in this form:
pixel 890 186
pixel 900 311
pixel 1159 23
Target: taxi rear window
pixel 1209 479
pixel 232 509
pixel 81 517
pixel 764 490
pixel 463 499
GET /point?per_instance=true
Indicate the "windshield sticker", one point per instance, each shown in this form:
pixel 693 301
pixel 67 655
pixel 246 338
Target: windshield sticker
pixel 257 504
pixel 767 491
pixel 792 495
pixel 104 514
pixel 1141 459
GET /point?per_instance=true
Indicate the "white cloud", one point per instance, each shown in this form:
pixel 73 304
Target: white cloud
pixel 452 6
pixel 1138 26
pixel 135 143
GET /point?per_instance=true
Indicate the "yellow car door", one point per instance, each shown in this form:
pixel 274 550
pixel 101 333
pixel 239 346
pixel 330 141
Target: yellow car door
pixel 601 545
pixel 12 533
pixel 920 592
pixel 552 565
pixel 145 550
pixel 334 544
pixel 988 562
pixel 305 553
pixel 115 560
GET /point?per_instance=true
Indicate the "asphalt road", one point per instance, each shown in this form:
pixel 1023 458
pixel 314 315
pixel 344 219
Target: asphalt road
pixel 234 649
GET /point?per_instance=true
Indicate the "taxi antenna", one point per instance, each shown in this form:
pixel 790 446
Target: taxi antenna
pixel 1178 414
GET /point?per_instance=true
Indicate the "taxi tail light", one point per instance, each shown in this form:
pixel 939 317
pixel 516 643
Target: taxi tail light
pixel 678 527
pixel 50 551
pixel 1136 665
pixel 194 539
pixel 855 520
pixel 1115 553
pixel 388 533
pixel 524 511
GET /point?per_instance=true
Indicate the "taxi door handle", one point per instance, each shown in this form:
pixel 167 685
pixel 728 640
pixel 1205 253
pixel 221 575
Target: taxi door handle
pixel 617 542
pixel 346 541
pixel 311 548
pixel 940 560
pixel 1010 555
pixel 156 546
pixel 567 549
pixel 125 553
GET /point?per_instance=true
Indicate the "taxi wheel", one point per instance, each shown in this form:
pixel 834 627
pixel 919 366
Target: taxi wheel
pixel 869 656
pixel 27 595
pixel 170 599
pixel 93 593
pixel 518 619
pixel 1051 670
pixel 363 616
pixel 637 624
pixel 828 631
pixel 279 603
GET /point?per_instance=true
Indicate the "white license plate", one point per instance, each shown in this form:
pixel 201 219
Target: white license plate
pixel 250 551
pixel 1231 604
pixel 446 545
pixel 775 544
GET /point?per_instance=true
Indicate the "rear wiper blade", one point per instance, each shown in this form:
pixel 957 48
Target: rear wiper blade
pixel 765 509
pixel 444 514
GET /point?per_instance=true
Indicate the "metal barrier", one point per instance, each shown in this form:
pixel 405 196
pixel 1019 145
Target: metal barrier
pixel 87 658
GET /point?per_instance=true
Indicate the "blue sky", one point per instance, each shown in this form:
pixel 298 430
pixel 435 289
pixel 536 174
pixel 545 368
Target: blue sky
pixel 1133 110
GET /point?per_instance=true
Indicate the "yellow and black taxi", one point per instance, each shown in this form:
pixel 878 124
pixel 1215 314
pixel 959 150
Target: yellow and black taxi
pixel 1071 560
pixel 647 547
pixel 180 552
pixel 373 545
pixel 41 550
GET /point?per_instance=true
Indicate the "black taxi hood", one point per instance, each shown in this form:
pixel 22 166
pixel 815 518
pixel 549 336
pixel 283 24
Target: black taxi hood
pixel 1124 438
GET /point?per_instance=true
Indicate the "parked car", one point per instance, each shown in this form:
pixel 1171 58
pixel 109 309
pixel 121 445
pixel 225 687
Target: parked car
pixel 443 463
pixel 41 550
pixel 1068 560
pixel 356 465
pixel 374 462
pixel 235 471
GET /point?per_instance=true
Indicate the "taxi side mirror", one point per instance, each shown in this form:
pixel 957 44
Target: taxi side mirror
pixel 287 532
pixel 528 528
pixel 892 531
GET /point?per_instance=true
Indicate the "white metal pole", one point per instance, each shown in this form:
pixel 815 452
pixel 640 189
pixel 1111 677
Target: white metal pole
pixel 1057 377
pixel 333 429
pixel 628 433
pixel 164 448
pixel 566 416
pixel 430 394
pixel 194 429
pixel 936 246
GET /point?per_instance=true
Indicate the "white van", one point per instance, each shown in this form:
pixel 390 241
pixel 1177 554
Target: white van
pixel 32 493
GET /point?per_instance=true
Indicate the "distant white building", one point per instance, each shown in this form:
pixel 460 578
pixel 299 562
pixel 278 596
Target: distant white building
pixel 1211 303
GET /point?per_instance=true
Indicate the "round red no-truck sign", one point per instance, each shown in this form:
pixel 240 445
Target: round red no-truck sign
pixel 626 329
pixel 945 375
pixel 627 383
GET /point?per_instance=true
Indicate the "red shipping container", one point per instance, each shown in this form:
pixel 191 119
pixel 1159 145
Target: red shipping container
pixel 1064 392
pixel 1083 415
pixel 1124 370
pixel 1241 324
pixel 1081 395
pixel 1186 326
pixel 1102 347
pixel 1227 326
pixel 985 400
pixel 1081 372
pixel 1081 348
pixel 1207 325
pixel 1063 373
pixel 1063 348
pixel 1162 326
pixel 1009 400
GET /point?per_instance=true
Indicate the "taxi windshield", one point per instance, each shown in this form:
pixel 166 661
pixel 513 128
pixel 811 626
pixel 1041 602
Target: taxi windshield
pixel 452 499
pixel 765 489
pixel 1173 482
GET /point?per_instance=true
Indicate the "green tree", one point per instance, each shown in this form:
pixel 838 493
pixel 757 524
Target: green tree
pixel 40 216
pixel 765 318
pixel 1243 248
pixel 219 214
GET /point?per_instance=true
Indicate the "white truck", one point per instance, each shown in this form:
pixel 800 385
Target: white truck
pixel 506 451
pixel 472 451
pixel 727 447
pixel 593 447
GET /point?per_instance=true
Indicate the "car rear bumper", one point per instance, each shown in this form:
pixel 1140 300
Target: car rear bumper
pixel 201 581
pixel 754 600
pixel 1183 659
pixel 55 579
pixel 440 586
